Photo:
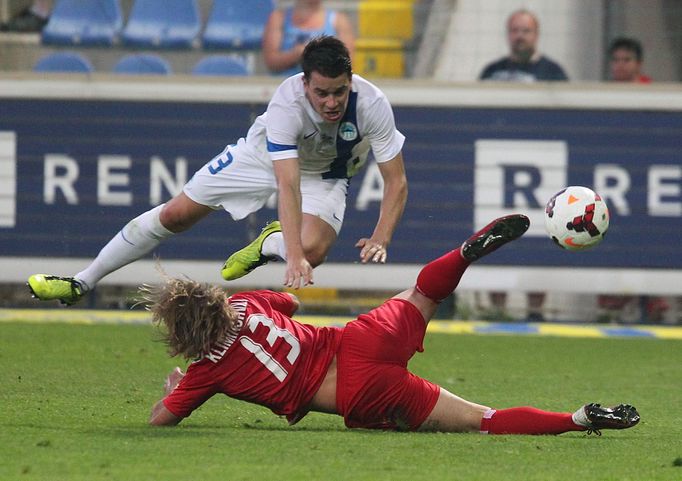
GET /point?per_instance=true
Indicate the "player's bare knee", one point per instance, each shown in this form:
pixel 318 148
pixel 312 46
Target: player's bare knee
pixel 171 220
pixel 454 414
pixel 180 213
pixel 315 255
pixel 174 219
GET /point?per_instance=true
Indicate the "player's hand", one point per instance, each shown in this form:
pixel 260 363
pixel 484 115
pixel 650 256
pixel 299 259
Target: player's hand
pixel 299 273
pixel 371 251
pixel 173 379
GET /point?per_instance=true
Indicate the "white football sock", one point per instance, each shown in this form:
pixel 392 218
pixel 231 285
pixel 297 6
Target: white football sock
pixel 273 246
pixel 580 418
pixel 139 237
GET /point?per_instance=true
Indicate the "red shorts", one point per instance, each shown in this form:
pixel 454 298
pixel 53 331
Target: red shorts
pixel 374 389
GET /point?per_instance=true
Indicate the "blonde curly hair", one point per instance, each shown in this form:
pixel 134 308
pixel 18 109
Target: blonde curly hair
pixel 193 316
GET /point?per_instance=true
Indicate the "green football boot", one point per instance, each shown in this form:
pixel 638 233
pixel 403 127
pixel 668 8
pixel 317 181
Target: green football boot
pixel 66 290
pixel 247 259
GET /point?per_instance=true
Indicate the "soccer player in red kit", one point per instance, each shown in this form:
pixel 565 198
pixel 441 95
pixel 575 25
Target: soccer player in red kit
pixel 248 347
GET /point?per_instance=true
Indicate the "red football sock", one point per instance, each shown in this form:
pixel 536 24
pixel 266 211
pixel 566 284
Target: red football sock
pixel 527 420
pixel 438 278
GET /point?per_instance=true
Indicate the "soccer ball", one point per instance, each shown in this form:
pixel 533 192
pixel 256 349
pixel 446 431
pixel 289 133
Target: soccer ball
pixel 576 218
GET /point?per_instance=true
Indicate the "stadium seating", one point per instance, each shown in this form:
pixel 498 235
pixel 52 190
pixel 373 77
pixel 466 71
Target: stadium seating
pixel 383 29
pixel 162 24
pixel 220 65
pixel 142 64
pixel 236 24
pixel 64 61
pixel 386 19
pixel 81 22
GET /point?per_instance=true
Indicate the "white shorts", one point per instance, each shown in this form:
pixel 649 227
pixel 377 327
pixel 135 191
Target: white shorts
pixel 241 185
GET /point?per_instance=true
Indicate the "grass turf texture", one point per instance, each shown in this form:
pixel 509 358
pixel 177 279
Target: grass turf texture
pixel 75 399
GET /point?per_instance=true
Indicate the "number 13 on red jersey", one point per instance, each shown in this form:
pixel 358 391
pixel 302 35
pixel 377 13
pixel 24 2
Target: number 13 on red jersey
pixel 261 352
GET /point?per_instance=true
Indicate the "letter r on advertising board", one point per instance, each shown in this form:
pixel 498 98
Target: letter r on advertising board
pixel 517 176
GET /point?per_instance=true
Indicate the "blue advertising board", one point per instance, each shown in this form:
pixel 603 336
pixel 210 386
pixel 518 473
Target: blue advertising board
pixel 83 168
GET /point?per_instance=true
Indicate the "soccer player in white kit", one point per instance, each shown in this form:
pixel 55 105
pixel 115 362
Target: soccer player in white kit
pixel 317 132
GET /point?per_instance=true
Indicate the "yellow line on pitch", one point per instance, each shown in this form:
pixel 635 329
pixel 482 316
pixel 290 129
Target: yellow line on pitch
pixel 87 316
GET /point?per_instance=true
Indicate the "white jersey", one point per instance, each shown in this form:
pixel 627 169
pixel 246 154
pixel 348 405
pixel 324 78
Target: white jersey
pixel 241 179
pixel 290 128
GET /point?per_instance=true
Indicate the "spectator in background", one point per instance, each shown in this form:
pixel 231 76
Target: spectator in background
pixel 625 65
pixel 288 31
pixel 524 63
pixel 625 61
pixel 31 19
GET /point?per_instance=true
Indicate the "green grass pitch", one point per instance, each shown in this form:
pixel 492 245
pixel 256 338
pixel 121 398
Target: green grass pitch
pixel 74 401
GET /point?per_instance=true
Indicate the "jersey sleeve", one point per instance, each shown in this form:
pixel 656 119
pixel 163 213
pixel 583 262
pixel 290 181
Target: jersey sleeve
pixel 191 392
pixel 280 301
pixel 283 124
pixel 385 139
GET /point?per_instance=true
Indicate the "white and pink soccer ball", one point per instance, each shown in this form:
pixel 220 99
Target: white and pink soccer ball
pixel 576 218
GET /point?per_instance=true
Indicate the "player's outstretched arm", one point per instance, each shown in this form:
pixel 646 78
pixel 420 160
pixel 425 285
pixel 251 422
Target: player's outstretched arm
pixel 375 249
pixel 161 416
pixel 299 272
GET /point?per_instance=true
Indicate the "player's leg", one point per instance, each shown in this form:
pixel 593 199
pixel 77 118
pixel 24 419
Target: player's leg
pixel 439 278
pixel 136 239
pixel 142 235
pixel 181 213
pixel 316 234
pixel 323 207
pixel 232 179
pixel 454 414
pixel 318 238
pixel 264 248
pixel 529 420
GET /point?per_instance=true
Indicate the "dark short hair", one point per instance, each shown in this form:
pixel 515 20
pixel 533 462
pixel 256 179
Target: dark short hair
pixel 626 43
pixel 327 56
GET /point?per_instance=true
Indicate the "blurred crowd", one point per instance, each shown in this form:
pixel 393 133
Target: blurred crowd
pixel 289 27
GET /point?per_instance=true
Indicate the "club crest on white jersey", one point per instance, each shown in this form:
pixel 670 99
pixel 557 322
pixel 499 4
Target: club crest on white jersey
pixel 348 132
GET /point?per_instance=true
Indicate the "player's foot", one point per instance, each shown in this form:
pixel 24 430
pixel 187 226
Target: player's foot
pixel 494 235
pixel 66 290
pixel 247 259
pixel 596 417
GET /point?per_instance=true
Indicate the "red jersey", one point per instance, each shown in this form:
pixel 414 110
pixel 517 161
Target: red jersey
pixel 269 359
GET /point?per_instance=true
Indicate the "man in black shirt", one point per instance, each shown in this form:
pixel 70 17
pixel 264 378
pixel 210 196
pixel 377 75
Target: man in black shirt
pixel 524 63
